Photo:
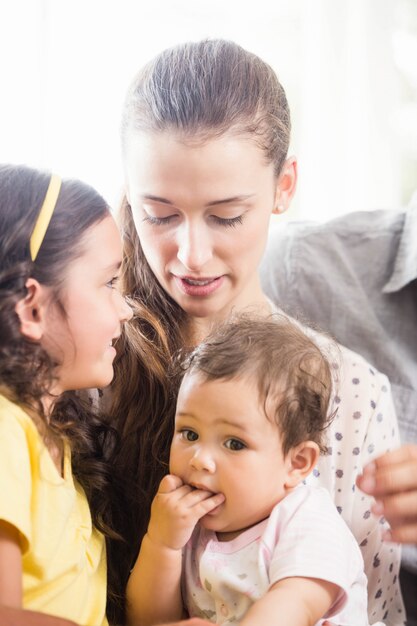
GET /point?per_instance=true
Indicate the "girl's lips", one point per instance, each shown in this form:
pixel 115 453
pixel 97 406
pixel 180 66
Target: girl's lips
pixel 200 287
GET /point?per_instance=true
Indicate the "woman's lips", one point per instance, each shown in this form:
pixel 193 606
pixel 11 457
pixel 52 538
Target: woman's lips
pixel 198 287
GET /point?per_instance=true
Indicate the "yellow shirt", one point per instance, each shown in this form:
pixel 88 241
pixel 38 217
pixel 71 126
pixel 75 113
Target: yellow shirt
pixel 63 555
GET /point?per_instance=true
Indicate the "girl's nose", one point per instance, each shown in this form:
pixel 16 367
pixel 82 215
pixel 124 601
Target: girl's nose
pixel 194 246
pixel 202 461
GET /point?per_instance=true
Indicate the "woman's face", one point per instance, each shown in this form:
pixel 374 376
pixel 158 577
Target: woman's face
pixel 202 214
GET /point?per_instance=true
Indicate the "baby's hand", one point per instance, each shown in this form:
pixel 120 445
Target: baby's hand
pixel 175 511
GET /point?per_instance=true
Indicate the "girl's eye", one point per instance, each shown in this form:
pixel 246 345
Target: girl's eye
pixel 113 282
pixel 227 221
pixel 158 221
pixel 188 435
pixel 235 445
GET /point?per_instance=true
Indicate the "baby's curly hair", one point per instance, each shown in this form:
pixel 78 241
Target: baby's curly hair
pixel 292 374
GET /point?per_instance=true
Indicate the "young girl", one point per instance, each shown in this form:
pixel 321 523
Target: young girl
pixel 60 314
pixel 205 137
pixel 255 547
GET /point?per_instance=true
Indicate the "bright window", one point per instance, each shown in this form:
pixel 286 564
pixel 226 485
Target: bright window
pixel 348 66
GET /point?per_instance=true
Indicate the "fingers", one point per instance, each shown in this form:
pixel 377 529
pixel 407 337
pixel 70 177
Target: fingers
pixel 182 504
pixel 174 487
pixel 403 454
pixel 187 496
pixel 392 480
pixel 391 473
pixel 398 509
pixel 388 480
pixel 195 501
pixel 169 483
pixel 406 533
pixel 208 504
pixel 176 509
pixel 401 513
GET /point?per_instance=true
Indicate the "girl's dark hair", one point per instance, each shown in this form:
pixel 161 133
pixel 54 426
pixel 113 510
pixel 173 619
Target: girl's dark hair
pixel 291 373
pixel 198 91
pixel 26 370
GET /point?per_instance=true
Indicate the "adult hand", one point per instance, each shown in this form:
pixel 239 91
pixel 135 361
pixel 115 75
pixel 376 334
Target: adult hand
pixel 392 480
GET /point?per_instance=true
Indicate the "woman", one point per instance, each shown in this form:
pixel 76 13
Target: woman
pixel 205 136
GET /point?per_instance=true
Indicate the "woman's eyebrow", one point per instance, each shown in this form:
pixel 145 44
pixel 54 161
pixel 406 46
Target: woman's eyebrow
pixel 230 200
pixel 149 196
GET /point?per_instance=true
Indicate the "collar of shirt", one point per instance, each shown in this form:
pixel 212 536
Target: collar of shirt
pixel 405 264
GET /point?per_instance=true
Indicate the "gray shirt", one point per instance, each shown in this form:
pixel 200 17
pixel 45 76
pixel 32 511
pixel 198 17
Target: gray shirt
pixel 356 278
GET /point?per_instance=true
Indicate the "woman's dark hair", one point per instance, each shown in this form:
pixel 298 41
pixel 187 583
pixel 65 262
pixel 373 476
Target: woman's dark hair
pixel 197 91
pixel 26 370
pixel 208 88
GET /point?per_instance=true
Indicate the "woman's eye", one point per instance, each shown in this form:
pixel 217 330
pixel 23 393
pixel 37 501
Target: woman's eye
pixel 234 444
pixel 188 435
pixel 158 221
pixel 227 221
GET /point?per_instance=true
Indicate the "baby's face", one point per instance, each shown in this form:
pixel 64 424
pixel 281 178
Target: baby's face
pixel 224 443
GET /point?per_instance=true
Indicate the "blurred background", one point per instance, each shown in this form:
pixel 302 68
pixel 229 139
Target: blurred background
pixel 349 68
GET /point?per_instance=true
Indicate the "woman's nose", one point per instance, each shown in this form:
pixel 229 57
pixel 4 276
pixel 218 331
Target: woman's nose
pixel 194 247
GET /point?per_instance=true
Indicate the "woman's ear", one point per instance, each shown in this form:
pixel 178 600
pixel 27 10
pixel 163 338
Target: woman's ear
pixel 301 462
pixel 31 310
pixel 286 186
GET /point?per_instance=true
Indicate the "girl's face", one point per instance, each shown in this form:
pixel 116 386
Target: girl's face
pixel 81 340
pixel 202 214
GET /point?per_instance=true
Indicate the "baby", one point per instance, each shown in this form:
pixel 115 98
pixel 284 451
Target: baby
pixel 235 536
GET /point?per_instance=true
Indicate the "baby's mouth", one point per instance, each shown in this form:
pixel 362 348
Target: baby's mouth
pixel 202 488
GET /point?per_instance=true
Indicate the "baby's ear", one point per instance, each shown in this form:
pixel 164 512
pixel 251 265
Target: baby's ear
pixel 31 310
pixel 301 462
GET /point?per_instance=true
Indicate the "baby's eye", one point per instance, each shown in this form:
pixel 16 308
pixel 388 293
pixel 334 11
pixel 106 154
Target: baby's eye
pixel 188 435
pixel 234 444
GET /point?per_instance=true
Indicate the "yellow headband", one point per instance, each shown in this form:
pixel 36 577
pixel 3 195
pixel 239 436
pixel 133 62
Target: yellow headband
pixel 44 217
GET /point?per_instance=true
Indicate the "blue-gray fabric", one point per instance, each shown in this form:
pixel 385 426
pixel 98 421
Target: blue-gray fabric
pixel 356 278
